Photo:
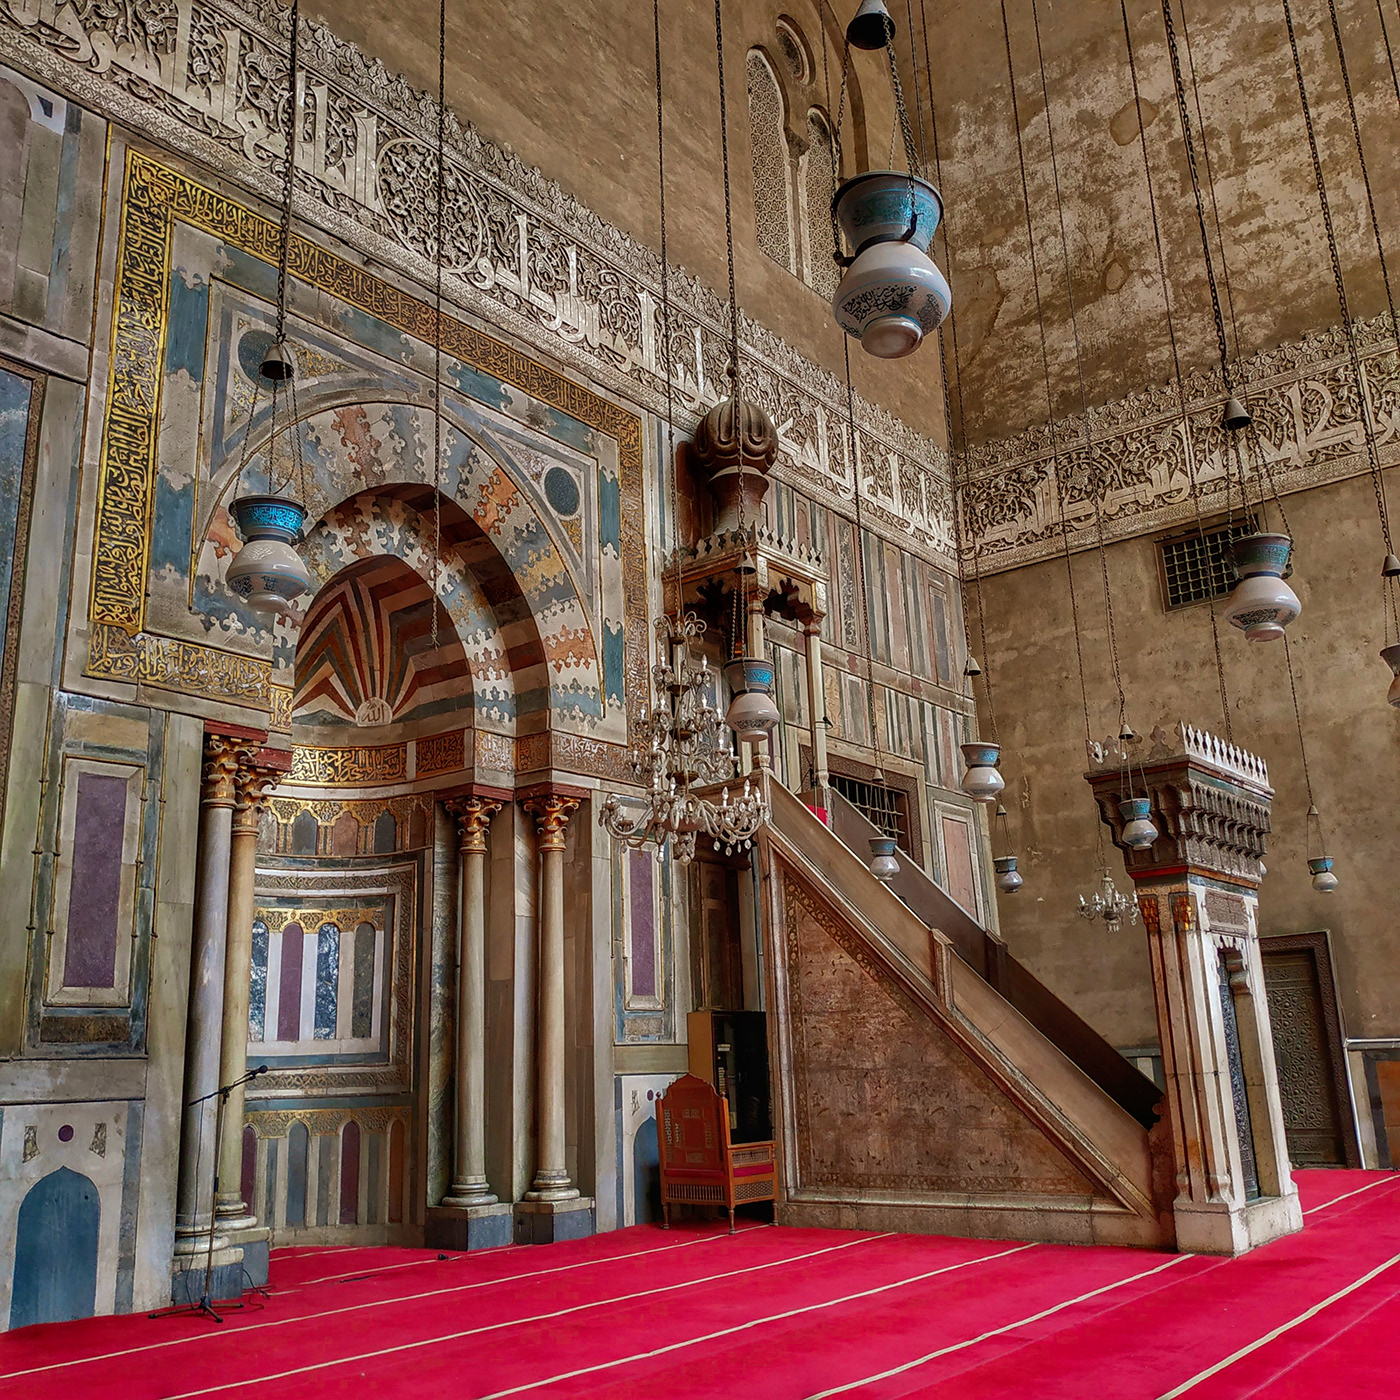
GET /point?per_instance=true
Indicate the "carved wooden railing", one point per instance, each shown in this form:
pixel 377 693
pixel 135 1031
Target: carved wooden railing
pixel 988 956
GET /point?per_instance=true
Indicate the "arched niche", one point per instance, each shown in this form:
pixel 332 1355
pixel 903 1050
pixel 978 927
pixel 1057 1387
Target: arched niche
pixel 530 544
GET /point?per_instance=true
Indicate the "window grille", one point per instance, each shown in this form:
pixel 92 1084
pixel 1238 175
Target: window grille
pixel 884 807
pixel 1198 566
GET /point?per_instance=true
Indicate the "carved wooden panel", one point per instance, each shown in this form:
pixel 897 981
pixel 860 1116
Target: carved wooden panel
pixel 1308 1051
pixel 884 1099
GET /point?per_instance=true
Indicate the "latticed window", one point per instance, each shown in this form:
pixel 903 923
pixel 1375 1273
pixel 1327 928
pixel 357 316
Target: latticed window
pixel 793 176
pixel 772 188
pixel 882 806
pixel 1197 566
pixel 818 189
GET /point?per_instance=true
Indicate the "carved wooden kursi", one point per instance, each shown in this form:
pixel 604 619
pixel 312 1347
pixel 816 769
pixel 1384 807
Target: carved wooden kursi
pixel 884 1099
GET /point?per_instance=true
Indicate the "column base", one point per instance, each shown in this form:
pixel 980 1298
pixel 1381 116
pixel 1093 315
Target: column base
pixel 225 1278
pixel 1218 1228
pixel 467 1195
pixel 255 1242
pixel 468 1227
pixel 549 1222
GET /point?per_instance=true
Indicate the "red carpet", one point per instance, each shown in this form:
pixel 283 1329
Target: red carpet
pixel 779 1313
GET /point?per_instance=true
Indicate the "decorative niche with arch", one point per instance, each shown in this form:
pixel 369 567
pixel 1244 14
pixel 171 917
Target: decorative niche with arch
pixel 791 143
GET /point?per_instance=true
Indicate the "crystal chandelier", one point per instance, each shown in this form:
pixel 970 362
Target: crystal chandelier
pixel 685 748
pixel 1110 906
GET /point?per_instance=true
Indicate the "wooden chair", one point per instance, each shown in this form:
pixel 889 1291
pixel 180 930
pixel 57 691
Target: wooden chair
pixel 699 1165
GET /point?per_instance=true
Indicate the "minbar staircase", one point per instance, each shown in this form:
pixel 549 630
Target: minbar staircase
pixel 926 1081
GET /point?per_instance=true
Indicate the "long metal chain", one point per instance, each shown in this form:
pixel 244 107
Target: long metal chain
pixel 1186 440
pixel 441 223
pixel 739 641
pixel 296 466
pixel 1233 447
pixel 1179 86
pixel 918 96
pixel 1079 370
pixel 1343 306
pixel 860 566
pixel 1388 585
pixel 949 333
pixel 1389 50
pixel 666 317
pixel 289 159
pixel 1061 494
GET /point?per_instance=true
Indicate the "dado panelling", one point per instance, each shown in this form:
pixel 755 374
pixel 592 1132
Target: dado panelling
pixel 94 876
pixel 209 78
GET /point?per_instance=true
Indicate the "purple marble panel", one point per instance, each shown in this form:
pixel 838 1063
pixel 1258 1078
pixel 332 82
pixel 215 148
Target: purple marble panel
pixel 643 960
pixel 289 992
pixel 95 894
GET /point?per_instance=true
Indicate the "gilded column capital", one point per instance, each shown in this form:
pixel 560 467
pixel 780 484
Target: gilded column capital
pixel 473 816
pixel 551 811
pixel 222 757
pixel 253 784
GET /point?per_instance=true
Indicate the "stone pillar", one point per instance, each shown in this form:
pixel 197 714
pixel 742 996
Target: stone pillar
pixel 256 774
pixel 470 1216
pixel 551 1189
pixel 194 1203
pixel 816 697
pixel 1197 887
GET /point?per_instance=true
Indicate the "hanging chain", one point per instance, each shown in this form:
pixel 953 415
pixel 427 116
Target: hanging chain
pixel 958 465
pixel 666 319
pixel 1061 493
pixel 1343 306
pixel 1079 369
pixel 1298 719
pixel 739 641
pixel 918 95
pixel 1226 375
pixel 440 213
pixel 1186 440
pixel 296 461
pixel 1390 56
pixel 1392 608
pixel 284 232
pixel 879 776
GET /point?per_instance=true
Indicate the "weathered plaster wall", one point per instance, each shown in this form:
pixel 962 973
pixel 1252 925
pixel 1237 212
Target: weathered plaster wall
pixel 1169 673
pixel 1269 222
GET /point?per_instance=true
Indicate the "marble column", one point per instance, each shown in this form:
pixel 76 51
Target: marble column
pixel 551 813
pixel 469 1184
pixel 251 784
pixel 194 1205
pixel 816 698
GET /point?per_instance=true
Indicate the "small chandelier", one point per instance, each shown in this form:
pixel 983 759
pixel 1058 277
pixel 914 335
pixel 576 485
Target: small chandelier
pixel 268 573
pixel 1319 862
pixel 1008 879
pixel 685 746
pixel 1107 904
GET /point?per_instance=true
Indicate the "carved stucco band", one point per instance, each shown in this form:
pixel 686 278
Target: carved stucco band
pixel 526 255
pixel 1144 453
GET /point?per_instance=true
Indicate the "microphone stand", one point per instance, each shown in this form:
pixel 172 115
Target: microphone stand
pixel 205 1306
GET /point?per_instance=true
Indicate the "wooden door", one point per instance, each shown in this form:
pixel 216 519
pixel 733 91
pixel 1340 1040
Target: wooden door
pixel 1308 1050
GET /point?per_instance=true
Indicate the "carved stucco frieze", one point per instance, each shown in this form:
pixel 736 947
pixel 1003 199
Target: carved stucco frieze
pixel 208 77
pixel 1144 456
